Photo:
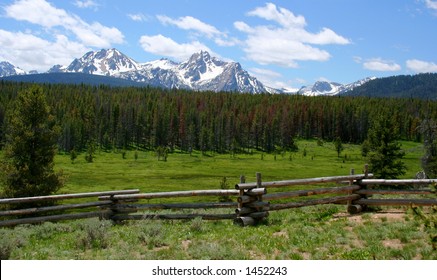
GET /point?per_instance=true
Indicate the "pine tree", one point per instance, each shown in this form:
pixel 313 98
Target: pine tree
pixel 385 153
pixel 428 127
pixel 31 145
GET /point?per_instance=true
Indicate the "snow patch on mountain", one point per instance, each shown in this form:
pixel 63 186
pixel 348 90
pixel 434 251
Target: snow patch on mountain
pixel 7 69
pixel 326 88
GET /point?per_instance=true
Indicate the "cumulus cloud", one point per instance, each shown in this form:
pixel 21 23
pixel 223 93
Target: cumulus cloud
pixel 191 23
pixel 161 45
pixel 33 53
pixel 86 4
pixel 42 13
pixel 201 28
pixel 378 64
pixel 419 66
pixel 287 41
pixel 431 4
pixel 138 17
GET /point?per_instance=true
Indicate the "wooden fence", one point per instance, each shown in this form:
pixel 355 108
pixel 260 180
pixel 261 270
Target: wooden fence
pixel 250 202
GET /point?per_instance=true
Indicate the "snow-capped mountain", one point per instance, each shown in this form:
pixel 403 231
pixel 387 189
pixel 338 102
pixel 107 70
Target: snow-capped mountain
pixel 200 72
pixel 331 88
pixel 104 62
pixel 7 69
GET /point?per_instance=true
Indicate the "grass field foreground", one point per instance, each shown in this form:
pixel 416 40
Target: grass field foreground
pixel 316 232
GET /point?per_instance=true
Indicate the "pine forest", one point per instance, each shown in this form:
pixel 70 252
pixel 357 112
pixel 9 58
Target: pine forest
pixel 149 118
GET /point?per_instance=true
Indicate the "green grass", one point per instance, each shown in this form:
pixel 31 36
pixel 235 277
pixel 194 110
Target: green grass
pixel 110 171
pixel 318 232
pixel 293 234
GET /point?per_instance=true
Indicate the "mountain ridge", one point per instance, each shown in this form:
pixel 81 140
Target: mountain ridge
pixel 202 72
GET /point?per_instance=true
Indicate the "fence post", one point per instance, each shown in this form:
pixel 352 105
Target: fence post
pixel 353 208
pixel 251 209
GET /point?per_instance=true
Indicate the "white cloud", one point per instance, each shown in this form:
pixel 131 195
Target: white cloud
pixel 42 13
pixel 30 52
pixel 378 64
pixel 161 45
pixel 419 66
pixel 138 17
pixel 431 4
pixel 201 28
pixel 191 23
pixel 286 42
pixel 284 17
pixel 86 4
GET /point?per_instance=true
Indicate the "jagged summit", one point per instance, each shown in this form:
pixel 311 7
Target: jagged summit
pixel 104 62
pixel 331 88
pixel 7 69
pixel 200 71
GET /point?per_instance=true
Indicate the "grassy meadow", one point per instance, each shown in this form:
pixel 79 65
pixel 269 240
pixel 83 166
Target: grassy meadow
pixel 318 232
pixel 183 171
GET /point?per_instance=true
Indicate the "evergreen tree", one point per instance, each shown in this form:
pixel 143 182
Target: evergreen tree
pixel 385 154
pixel 31 145
pixel 338 146
pixel 428 128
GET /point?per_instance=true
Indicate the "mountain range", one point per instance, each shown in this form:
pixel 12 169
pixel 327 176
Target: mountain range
pixel 201 72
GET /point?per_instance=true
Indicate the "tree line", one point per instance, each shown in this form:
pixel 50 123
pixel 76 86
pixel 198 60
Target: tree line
pixel 147 118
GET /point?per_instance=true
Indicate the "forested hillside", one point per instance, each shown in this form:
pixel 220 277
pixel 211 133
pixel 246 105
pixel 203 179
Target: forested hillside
pixel 405 86
pixel 146 118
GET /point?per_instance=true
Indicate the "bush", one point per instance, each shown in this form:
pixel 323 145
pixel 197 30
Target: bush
pixel 95 234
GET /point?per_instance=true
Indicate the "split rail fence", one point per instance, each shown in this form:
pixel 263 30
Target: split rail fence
pixel 249 203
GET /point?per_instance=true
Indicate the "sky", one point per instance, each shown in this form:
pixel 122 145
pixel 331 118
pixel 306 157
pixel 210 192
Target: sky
pixel 285 44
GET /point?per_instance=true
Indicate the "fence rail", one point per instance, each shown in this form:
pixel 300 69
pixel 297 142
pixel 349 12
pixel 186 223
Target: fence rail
pixel 250 204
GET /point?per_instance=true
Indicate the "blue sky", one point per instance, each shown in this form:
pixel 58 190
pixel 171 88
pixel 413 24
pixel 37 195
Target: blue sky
pixel 283 43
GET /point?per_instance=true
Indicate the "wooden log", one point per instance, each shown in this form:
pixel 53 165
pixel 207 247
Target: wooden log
pixel 174 217
pixel 373 191
pixel 354 208
pixel 257 204
pixel 244 221
pixel 64 196
pixel 256 192
pixel 241 192
pixel 246 199
pixel 397 182
pixel 397 202
pixel 328 200
pixel 283 195
pixel 161 206
pixel 244 210
pixel 172 194
pixel 37 210
pixel 296 182
pixel 53 218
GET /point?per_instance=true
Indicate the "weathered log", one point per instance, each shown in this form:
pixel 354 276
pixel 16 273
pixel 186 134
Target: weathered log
pixel 36 220
pixel 275 196
pixel 397 202
pixel 244 210
pixel 397 182
pixel 412 191
pixel 172 194
pixel 257 204
pixel 256 192
pixel 313 202
pixel 244 221
pixel 174 217
pixel 296 182
pixel 246 199
pixel 354 208
pixel 63 196
pixel 180 205
pixel 36 210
